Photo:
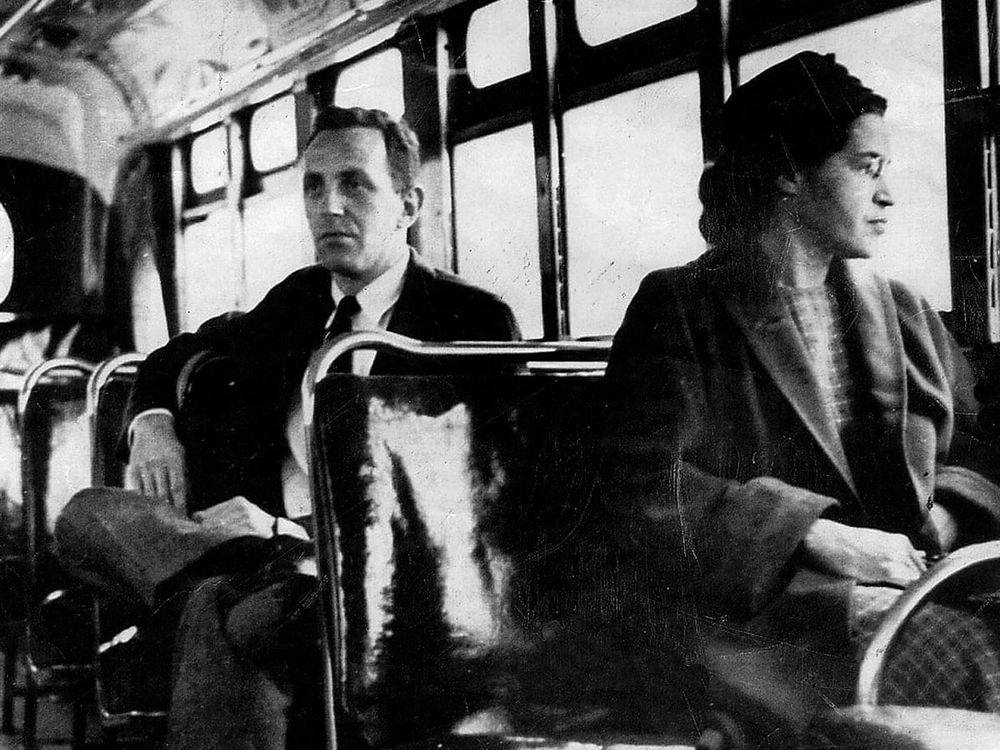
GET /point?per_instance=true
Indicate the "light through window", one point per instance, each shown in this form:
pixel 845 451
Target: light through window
pixel 375 82
pixel 209 270
pixel 496 221
pixel 497 42
pixel 633 162
pixel 600 21
pixel 210 160
pixel 6 253
pixel 275 242
pixel 272 135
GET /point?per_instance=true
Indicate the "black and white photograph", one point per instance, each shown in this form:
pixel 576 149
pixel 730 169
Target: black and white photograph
pixel 500 374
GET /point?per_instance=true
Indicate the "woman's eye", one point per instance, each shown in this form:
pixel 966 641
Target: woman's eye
pixel 874 168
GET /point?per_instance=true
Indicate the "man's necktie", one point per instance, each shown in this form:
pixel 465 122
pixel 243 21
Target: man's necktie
pixel 341 323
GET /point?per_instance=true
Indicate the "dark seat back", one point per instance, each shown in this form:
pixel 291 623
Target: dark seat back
pixel 55 463
pixel 221 423
pixel 107 399
pixel 476 596
pixel 55 443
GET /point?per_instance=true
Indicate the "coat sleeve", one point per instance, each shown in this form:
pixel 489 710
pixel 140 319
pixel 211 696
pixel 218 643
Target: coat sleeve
pixel 967 477
pixel 156 380
pixel 737 541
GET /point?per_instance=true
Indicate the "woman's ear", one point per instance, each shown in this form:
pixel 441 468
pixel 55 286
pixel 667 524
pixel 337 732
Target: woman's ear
pixel 788 184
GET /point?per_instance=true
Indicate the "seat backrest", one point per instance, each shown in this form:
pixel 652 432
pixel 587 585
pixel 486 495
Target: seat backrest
pixel 469 574
pixel 55 443
pixel 107 399
pixel 221 423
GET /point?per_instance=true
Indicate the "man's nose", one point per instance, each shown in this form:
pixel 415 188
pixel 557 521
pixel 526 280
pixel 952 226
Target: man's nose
pixel 335 202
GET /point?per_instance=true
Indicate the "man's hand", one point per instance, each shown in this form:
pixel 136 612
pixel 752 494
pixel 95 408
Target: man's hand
pixel 866 555
pixel 238 516
pixel 156 464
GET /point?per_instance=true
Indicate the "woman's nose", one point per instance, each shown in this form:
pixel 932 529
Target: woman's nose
pixel 882 195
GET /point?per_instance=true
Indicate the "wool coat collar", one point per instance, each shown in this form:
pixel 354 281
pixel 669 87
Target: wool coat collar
pixel 869 314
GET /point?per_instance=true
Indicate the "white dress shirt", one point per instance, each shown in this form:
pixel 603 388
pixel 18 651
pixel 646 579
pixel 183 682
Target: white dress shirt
pixel 376 302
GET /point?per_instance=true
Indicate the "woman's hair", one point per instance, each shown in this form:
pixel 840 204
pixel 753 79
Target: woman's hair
pixel 792 116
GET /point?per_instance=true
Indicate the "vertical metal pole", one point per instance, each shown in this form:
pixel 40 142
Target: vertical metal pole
pixel 547 130
pixel 969 144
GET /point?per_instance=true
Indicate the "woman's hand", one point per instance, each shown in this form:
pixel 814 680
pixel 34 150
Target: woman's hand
pixel 866 555
pixel 945 525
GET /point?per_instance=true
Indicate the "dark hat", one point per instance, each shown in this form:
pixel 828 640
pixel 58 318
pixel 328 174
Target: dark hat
pixel 797 108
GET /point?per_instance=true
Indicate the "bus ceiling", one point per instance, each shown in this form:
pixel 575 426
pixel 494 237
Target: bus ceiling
pixel 83 81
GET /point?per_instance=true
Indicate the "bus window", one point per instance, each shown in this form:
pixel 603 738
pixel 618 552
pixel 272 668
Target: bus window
pixel 497 42
pixel 209 161
pixel 149 317
pixel 6 253
pixel 899 55
pixel 496 221
pixel 209 271
pixel 275 239
pixel 600 21
pixel 632 167
pixel 375 82
pixel 272 135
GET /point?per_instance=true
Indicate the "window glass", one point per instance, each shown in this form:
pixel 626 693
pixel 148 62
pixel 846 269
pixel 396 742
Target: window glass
pixel 209 271
pixel 497 42
pixel 496 221
pixel 209 160
pixel 632 167
pixel 273 136
pixel 275 242
pixel 375 82
pixel 898 54
pixel 149 316
pixel 601 21
pixel 6 253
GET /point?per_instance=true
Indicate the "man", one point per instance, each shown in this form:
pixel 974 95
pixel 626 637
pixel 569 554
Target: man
pixel 359 184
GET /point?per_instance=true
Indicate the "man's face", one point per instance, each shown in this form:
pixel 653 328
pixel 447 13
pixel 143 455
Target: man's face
pixel 843 201
pixel 357 218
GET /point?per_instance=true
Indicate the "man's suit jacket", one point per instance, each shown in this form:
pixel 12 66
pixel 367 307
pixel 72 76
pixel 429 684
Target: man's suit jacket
pixel 243 438
pixel 708 366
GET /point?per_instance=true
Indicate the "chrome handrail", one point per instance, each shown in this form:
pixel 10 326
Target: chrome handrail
pixel 103 374
pixel 381 341
pixel 75 367
pixel 873 662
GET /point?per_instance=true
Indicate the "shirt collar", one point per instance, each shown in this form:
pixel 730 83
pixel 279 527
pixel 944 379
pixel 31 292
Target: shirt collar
pixel 378 297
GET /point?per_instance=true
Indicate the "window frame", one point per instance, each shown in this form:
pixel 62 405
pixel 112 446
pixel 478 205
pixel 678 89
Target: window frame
pixel 709 40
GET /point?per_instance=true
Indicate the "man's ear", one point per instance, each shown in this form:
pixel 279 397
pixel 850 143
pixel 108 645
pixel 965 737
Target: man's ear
pixel 413 201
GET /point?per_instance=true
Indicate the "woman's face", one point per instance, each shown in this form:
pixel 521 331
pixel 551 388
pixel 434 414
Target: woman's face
pixel 842 203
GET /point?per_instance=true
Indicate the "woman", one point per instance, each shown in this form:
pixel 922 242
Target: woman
pixel 821 413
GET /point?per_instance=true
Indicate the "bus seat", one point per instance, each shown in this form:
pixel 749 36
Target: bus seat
pixel 970 574
pixel 127 705
pixel 473 601
pixel 56 657
pixel 217 425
